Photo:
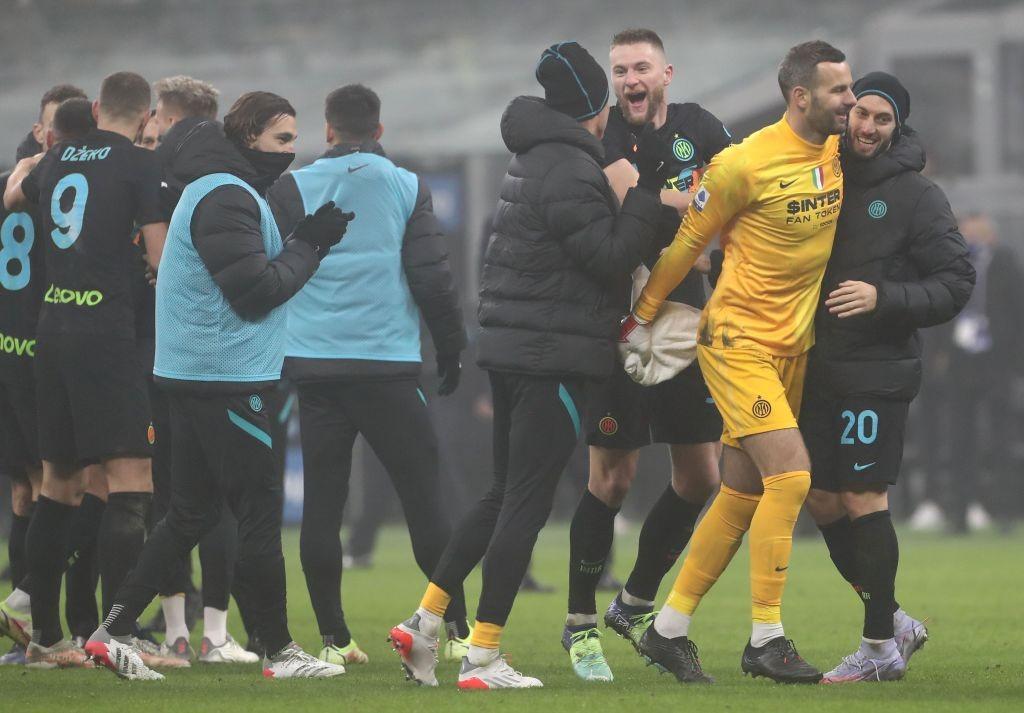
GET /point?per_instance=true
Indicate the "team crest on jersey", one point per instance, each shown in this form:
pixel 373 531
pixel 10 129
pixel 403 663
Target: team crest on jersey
pixel 701 199
pixel 837 167
pixel 761 409
pixel 608 426
pixel 818 177
pixel 255 403
pixel 877 209
pixel 151 434
pixel 682 149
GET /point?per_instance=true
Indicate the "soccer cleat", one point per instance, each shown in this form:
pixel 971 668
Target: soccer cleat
pixel 62 654
pixel 152 656
pixel 350 654
pixel 180 649
pixel 15 625
pixel 586 655
pixel 858 667
pixel 629 626
pixel 911 637
pixel 418 651
pixel 456 646
pixel 779 661
pixel 122 659
pixel 677 656
pixel 14 657
pixel 228 652
pixel 496 674
pixel 293 662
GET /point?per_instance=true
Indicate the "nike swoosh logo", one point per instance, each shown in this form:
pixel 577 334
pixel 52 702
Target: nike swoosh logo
pixel 353 169
pixel 858 467
pixel 782 569
pixel 784 185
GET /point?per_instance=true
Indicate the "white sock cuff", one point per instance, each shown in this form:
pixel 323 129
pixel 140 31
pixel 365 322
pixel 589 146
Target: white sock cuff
pixel 632 601
pixel 671 623
pixel 761 634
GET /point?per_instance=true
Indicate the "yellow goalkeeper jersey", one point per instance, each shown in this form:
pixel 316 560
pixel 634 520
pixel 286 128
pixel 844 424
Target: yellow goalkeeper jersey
pixel 775 200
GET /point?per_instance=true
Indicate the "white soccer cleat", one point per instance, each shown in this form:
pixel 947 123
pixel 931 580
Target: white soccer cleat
pixel 418 651
pixel 860 667
pixel 63 654
pixel 15 625
pixel 228 652
pixel 122 659
pixel 496 674
pixel 911 636
pixel 293 662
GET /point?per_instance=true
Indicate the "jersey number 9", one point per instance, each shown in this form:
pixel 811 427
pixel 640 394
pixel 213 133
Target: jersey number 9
pixel 68 222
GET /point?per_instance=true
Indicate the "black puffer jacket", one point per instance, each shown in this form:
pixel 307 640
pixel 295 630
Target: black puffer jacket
pixel 896 231
pixel 560 252
pixel 226 223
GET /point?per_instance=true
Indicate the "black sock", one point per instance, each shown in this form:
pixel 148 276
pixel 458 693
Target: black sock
pixel 47 541
pixel 121 537
pixel 877 554
pixel 83 572
pixel 664 535
pixel 839 540
pixel 16 547
pixel 590 541
pixel 455 615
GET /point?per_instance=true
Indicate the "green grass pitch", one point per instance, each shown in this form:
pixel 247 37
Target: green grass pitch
pixel 971 589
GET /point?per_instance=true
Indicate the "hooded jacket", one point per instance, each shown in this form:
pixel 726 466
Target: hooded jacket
pixel 561 252
pixel 896 231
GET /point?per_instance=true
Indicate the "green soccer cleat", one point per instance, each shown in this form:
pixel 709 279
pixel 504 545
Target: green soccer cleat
pixel 344 655
pixel 456 647
pixel 586 655
pixel 628 622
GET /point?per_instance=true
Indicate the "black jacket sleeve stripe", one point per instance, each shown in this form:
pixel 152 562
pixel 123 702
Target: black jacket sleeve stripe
pixel 226 234
pixel 425 261
pixel 939 253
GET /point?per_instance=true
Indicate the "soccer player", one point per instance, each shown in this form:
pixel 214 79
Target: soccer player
pixel 219 349
pixel 623 416
pixel 354 352
pixel 899 264
pixel 91 192
pixel 560 247
pixel 775 199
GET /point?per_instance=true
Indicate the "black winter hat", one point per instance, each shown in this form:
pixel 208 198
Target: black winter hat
pixel 885 85
pixel 574 83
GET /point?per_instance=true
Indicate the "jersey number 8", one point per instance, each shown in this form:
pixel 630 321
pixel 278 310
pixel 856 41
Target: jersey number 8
pixel 14 250
pixel 68 222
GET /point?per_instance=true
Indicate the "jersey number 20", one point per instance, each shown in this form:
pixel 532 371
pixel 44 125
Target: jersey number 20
pixel 867 427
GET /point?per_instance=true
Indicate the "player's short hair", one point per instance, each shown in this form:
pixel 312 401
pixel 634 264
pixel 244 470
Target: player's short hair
pixel 638 35
pixel 73 119
pixel 353 111
pixel 798 68
pixel 58 94
pixel 125 95
pixel 192 97
pixel 252 113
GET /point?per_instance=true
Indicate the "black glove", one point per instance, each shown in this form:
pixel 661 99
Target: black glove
pixel 651 158
pixel 324 229
pixel 449 369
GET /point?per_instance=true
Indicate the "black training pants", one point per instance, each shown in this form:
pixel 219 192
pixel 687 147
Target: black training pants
pixel 392 416
pixel 536 426
pixel 221 453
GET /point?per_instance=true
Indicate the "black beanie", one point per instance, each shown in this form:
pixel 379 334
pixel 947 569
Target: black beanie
pixel 574 83
pixel 889 88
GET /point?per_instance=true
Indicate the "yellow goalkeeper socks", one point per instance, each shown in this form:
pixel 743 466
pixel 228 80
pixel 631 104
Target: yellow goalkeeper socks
pixel 435 600
pixel 771 541
pixel 712 547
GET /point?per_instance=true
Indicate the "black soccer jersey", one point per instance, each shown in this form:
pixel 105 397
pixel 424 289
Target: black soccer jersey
pixel 693 136
pixel 21 286
pixel 91 193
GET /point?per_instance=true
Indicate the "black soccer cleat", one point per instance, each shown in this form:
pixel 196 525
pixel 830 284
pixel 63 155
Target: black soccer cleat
pixel 677 656
pixel 779 661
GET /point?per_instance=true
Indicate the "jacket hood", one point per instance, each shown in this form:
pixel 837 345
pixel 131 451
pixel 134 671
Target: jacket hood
pixel 28 147
pixel 194 148
pixel 907 154
pixel 529 121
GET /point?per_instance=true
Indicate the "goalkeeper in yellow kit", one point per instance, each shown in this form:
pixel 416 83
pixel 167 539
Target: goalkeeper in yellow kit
pixel 775 201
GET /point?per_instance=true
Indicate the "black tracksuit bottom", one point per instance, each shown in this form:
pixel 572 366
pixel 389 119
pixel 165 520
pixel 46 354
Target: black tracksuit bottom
pixel 392 416
pixel 222 453
pixel 536 426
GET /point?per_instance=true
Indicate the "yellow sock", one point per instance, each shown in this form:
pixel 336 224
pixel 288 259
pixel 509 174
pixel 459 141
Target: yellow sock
pixel 771 541
pixel 712 547
pixel 435 600
pixel 486 635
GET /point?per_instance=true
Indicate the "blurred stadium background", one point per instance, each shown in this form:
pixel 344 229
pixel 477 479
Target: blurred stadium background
pixel 445 71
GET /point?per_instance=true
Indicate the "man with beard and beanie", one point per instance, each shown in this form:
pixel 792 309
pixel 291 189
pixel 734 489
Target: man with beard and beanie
pixel 623 416
pixel 220 337
pixel 774 199
pixel 561 249
pixel 356 376
pixel 899 264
